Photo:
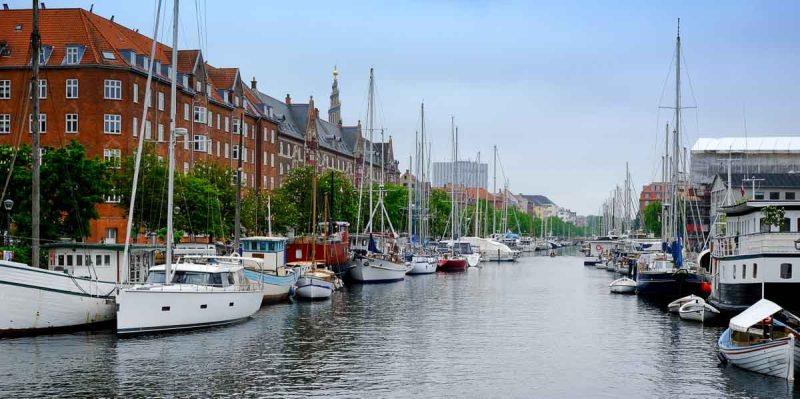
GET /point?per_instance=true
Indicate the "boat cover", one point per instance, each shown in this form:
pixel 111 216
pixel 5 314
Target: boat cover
pixel 754 314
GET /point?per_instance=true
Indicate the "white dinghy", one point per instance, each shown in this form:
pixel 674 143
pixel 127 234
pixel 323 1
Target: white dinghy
pixel 697 310
pixel 623 286
pixel 756 341
pixel 675 305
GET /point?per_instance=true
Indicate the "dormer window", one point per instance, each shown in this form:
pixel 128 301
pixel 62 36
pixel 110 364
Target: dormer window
pixel 198 86
pixel 73 55
pixel 44 54
pixel 208 89
pixel 185 81
pixel 109 55
pixel 236 100
pixel 225 97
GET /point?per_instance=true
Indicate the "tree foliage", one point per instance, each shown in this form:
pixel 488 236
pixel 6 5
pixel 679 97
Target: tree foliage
pixel 652 217
pixel 773 216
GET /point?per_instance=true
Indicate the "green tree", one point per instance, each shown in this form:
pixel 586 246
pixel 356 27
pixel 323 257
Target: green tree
pixel 149 212
pixel 652 217
pixel 773 216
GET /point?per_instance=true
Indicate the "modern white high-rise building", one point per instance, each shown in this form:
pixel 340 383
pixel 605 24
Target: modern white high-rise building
pixel 469 174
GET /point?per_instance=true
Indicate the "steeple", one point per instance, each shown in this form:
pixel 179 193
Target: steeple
pixel 334 114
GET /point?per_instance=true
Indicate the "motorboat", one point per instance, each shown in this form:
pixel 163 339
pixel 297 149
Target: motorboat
pixel 697 310
pixel 198 295
pixel 623 286
pixel 756 340
pixel 422 264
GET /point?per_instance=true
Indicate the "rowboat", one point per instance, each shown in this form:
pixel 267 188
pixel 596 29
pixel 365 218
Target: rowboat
pixel 623 286
pixel 697 310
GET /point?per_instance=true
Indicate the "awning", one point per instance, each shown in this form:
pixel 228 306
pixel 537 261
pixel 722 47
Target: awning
pixel 754 314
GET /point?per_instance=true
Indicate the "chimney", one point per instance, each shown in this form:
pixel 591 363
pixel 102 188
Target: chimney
pixel 5 6
pixel 254 84
pixel 288 100
pixel 42 6
pixel 112 18
pixel 91 9
pixel 316 112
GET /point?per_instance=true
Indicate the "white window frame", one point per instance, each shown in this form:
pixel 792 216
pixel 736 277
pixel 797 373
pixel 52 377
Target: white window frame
pixel 136 93
pixel 237 126
pixel 113 156
pixel 5 123
pixel 200 143
pixel 112 89
pixel 42 89
pixel 160 100
pixel 160 133
pixel 227 124
pixel 210 118
pixel 68 120
pixel 148 130
pixel 71 90
pixel 5 89
pixel 72 55
pixel 112 124
pixel 186 111
pixel 42 123
pixel 235 151
pixel 200 114
pixel 135 126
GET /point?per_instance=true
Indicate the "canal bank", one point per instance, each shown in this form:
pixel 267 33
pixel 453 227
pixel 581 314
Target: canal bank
pixel 540 327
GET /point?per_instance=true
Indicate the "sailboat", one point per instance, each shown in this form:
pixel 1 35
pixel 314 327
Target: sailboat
pixel 375 264
pixel 452 260
pixel 35 300
pixel 665 275
pixel 190 293
pixel 421 262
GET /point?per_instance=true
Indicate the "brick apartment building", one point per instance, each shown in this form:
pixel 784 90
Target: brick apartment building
pixel 93 89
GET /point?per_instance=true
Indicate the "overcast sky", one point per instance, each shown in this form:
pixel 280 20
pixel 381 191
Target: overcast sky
pixel 568 91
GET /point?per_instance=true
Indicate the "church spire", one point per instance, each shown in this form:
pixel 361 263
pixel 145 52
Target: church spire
pixel 334 114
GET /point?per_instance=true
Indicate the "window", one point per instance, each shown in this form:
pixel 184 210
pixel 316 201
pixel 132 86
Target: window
pixel 786 270
pixel 186 168
pixel 160 100
pixel 235 152
pixel 42 88
pixel 789 195
pixel 135 126
pixel 69 260
pixel 111 233
pixel 112 89
pixel 272 159
pixel 5 89
pixel 136 93
pixel 786 225
pixel 210 119
pixel 78 260
pixel 107 260
pixel 198 86
pixel 160 133
pixel 42 123
pixel 734 272
pixel 5 123
pixel 44 54
pixel 281 170
pixel 273 136
pixel 744 271
pixel 227 124
pixel 112 156
pixel 774 195
pixel 759 195
pixel 186 111
pixel 99 260
pixel 755 270
pixel 281 148
pixel 218 148
pixel 218 120
pixel 264 134
pixel 72 88
pixel 109 55
pixel 112 124
pixel 72 55
pixel 199 114
pixel 226 150
pixel 148 130
pixel 112 197
pixel 72 123
pixel 236 125
pixel 200 143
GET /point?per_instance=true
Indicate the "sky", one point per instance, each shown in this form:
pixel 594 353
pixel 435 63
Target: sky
pixel 569 91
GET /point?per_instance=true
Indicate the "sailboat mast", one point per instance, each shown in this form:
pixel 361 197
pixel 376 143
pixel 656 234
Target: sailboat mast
pixel 171 171
pixel 477 196
pixel 494 192
pixel 371 149
pixel 421 177
pixel 676 139
pixel 410 194
pixel 452 180
pixel 36 160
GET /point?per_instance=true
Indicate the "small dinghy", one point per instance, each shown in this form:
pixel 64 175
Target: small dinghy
pixel 755 340
pixel 623 286
pixel 675 305
pixel 697 310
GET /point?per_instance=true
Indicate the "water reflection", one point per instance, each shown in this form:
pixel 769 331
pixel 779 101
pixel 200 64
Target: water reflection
pixel 544 327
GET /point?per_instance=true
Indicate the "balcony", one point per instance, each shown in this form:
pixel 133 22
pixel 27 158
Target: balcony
pixel 757 243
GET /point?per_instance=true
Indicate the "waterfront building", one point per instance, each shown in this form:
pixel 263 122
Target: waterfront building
pixel 768 187
pixel 470 174
pixel 710 156
pixel 92 89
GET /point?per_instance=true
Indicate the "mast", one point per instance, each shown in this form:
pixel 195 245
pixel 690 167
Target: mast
pixel 410 210
pixel 36 162
pixel 370 115
pixel 477 196
pixel 453 181
pixel 664 177
pixel 676 139
pixel 171 171
pixel 494 192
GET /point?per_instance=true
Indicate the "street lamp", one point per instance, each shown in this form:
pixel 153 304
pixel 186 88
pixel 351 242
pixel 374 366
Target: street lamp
pixel 7 205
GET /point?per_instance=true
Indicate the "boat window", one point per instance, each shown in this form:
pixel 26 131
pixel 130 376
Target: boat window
pixel 734 272
pixel 61 260
pixel 744 271
pixel 231 279
pixel 785 226
pixel 797 226
pixel 99 259
pixel 69 260
pixel 786 270
pixel 183 277
pixel 215 279
pixel 155 277
pixel 108 260
pixel 78 260
pixel 755 270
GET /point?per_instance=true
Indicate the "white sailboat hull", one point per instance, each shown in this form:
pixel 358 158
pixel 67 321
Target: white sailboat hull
pixel 371 270
pixel 310 288
pixel 422 265
pixel 37 299
pixel 775 358
pixel 169 308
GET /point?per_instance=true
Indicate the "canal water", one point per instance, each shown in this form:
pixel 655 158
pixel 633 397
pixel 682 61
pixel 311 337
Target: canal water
pixel 540 327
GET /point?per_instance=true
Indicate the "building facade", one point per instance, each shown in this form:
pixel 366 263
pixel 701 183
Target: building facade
pixel 468 174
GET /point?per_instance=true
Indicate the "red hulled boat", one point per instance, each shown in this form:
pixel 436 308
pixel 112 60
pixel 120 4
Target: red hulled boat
pixel 450 263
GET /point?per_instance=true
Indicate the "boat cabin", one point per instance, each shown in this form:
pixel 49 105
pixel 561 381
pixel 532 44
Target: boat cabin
pixel 210 275
pixel 103 261
pixel 271 249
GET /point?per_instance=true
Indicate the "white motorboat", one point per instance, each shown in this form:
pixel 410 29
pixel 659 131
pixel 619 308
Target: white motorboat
pixel 697 310
pixel 198 295
pixel 623 286
pixel 675 305
pixel 377 269
pixel 36 300
pixel 755 340
pixel 422 264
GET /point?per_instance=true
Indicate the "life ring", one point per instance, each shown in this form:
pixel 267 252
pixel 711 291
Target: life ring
pixel 598 247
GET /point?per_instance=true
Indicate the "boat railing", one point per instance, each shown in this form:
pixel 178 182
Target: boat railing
pixel 755 243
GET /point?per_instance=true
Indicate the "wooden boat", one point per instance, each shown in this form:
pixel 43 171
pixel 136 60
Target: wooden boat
pixel 675 305
pixel 623 286
pixel 755 340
